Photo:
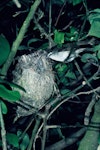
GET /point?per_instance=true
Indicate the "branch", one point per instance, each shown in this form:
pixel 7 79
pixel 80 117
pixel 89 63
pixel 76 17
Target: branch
pixel 20 37
pixel 3 131
pixel 34 133
pixel 43 32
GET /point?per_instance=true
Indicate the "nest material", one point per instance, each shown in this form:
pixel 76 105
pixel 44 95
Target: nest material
pixel 34 73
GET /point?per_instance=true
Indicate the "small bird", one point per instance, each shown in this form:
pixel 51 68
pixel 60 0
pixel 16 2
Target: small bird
pixel 65 55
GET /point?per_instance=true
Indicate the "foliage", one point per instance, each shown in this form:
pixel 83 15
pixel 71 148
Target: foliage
pixel 62 25
pixel 4 49
pixel 94 19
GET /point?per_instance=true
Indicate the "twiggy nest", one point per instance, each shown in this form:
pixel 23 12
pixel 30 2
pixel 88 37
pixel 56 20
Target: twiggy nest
pixel 34 73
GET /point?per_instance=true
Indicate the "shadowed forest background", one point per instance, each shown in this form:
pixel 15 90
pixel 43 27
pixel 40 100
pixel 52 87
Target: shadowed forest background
pixel 66 113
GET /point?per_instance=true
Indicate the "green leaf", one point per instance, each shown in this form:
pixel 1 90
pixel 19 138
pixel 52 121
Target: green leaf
pixel 98 54
pixel 97 10
pixel 4 107
pixel 99 139
pixel 11 84
pixel 87 56
pixel 70 75
pixel 9 95
pixel 94 15
pixel 64 81
pixel 33 41
pixel 94 19
pixel 22 47
pixel 75 2
pixel 96 48
pixel 25 142
pixel 58 37
pixel 95 29
pixel 43 46
pixel 61 67
pixel 12 139
pixel 4 49
pixel 72 35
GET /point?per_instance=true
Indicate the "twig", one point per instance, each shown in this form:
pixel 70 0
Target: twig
pixel 17 3
pixel 89 109
pixel 62 101
pixel 50 22
pixel 34 133
pixel 43 32
pixel 36 136
pixel 81 73
pixel 45 127
pixel 65 100
pixel 67 26
pixel 20 37
pixel 60 13
pixel 3 131
pixel 23 134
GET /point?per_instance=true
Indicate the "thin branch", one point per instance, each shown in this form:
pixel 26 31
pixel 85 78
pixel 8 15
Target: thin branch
pixel 3 131
pixel 20 37
pixel 81 73
pixel 70 97
pixel 89 109
pixel 43 32
pixel 50 22
pixel 45 127
pixel 60 13
pixel 35 129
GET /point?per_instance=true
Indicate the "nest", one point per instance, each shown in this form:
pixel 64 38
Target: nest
pixel 34 73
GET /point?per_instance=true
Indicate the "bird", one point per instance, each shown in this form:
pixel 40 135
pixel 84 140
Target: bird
pixel 68 52
pixel 65 55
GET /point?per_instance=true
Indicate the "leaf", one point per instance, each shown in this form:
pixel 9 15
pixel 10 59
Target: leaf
pixel 75 2
pixel 96 48
pixel 64 81
pixel 25 142
pixel 4 49
pixel 33 41
pixel 72 35
pixel 99 139
pixel 70 75
pixel 12 84
pixel 97 10
pixel 13 140
pixel 94 19
pixel 43 46
pixel 4 107
pixel 98 54
pixel 22 47
pixel 94 15
pixel 58 37
pixel 95 29
pixel 11 96
pixel 61 69
pixel 87 56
